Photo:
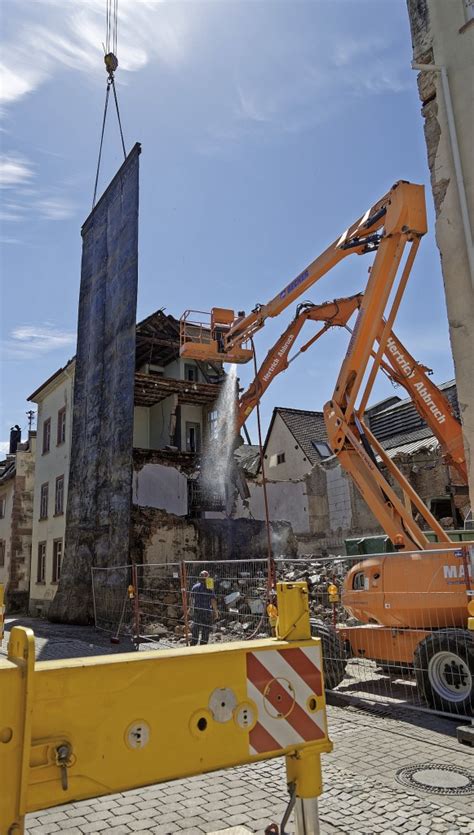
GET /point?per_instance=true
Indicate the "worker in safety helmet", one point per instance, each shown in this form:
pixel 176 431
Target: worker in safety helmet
pixel 203 608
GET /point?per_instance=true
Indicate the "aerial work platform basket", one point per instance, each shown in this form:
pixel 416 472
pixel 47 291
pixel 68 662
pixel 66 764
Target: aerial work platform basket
pixel 203 336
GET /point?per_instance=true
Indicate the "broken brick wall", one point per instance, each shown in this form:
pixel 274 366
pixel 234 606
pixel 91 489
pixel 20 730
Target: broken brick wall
pixel 160 537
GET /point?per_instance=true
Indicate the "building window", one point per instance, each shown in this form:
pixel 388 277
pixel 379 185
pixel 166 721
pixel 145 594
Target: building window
pixel 57 558
pixel 323 449
pixel 59 496
pixel 44 495
pixel 190 373
pixel 212 419
pixel 46 435
pixel 358 581
pixel 2 553
pixel 2 507
pixel 281 458
pixel 41 570
pixel 193 437
pixel 469 10
pixel 61 434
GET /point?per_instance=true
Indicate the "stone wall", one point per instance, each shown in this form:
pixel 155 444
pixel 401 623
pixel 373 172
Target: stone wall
pixel 159 537
pixel 442 35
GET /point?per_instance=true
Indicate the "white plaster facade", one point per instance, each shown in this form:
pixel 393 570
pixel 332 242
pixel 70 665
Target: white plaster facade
pixel 280 441
pixel 443 35
pixel 54 399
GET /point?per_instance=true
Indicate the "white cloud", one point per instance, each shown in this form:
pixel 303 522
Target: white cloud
pixel 70 35
pixel 30 341
pixel 14 169
pixel 55 208
pixel 4 447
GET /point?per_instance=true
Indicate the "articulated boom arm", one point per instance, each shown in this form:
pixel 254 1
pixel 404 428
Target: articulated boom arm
pixel 398 365
pixel 226 337
pixel 334 314
pixel 352 441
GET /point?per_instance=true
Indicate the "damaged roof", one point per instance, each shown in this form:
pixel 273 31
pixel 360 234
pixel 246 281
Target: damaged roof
pixel 157 339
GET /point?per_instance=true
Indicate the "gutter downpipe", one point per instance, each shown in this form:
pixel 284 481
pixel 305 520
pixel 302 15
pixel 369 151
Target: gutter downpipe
pixel 456 158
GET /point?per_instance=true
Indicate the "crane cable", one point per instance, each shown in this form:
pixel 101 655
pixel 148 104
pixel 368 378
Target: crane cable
pixel 111 64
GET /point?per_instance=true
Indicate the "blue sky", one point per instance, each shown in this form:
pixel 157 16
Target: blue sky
pixel 266 129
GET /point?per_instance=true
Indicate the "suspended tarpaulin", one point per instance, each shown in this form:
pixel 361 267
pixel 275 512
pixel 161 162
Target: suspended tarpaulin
pixel 100 476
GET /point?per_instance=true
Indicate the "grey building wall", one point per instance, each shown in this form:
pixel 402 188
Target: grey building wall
pixel 100 481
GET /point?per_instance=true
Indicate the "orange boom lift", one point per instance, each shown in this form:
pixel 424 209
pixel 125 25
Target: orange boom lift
pixel 416 606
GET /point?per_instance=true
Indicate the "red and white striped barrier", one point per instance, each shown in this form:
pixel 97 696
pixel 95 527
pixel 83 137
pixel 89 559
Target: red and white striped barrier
pixel 286 686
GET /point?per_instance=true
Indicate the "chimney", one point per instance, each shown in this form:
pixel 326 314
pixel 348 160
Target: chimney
pixel 15 438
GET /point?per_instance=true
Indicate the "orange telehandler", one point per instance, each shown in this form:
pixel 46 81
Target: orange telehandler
pixel 414 606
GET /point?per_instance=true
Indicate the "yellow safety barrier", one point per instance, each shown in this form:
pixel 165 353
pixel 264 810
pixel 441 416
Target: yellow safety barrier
pixel 81 728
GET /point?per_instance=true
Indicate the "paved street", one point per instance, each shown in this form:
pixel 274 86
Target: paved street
pixel 361 797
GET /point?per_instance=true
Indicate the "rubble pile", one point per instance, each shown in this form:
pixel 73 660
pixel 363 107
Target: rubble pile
pixel 242 597
pixel 318 574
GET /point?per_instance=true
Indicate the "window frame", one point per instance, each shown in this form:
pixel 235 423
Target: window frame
pixel 59 480
pixel 42 494
pixel 56 572
pixel 61 427
pixel 280 458
pixel 188 366
pixel 46 434
pixel 3 506
pixel 41 564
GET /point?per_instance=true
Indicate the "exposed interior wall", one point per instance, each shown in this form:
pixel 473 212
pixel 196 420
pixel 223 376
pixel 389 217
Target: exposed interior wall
pixel 141 427
pixel 442 35
pixel 162 487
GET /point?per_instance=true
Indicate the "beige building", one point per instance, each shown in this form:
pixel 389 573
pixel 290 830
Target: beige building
pixel 296 440
pixel 174 406
pixel 17 474
pixel 443 53
pixel 54 423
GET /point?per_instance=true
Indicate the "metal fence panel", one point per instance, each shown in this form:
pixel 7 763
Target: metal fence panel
pixel 113 607
pixel 390 633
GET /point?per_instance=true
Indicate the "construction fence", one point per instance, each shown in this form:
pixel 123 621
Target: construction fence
pixel 393 630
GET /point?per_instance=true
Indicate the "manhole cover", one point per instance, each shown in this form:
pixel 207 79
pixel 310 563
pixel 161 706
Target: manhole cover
pixel 437 779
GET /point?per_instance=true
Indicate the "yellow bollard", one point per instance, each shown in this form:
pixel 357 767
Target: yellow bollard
pixel 303 767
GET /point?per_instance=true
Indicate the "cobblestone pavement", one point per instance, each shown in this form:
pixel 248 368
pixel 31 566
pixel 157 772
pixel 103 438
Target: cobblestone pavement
pixel 361 797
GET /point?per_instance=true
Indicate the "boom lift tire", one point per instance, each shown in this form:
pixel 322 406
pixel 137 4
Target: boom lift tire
pixel 444 670
pixel 334 656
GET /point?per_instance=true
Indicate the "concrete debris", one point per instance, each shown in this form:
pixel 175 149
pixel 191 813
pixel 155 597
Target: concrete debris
pixel 241 599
